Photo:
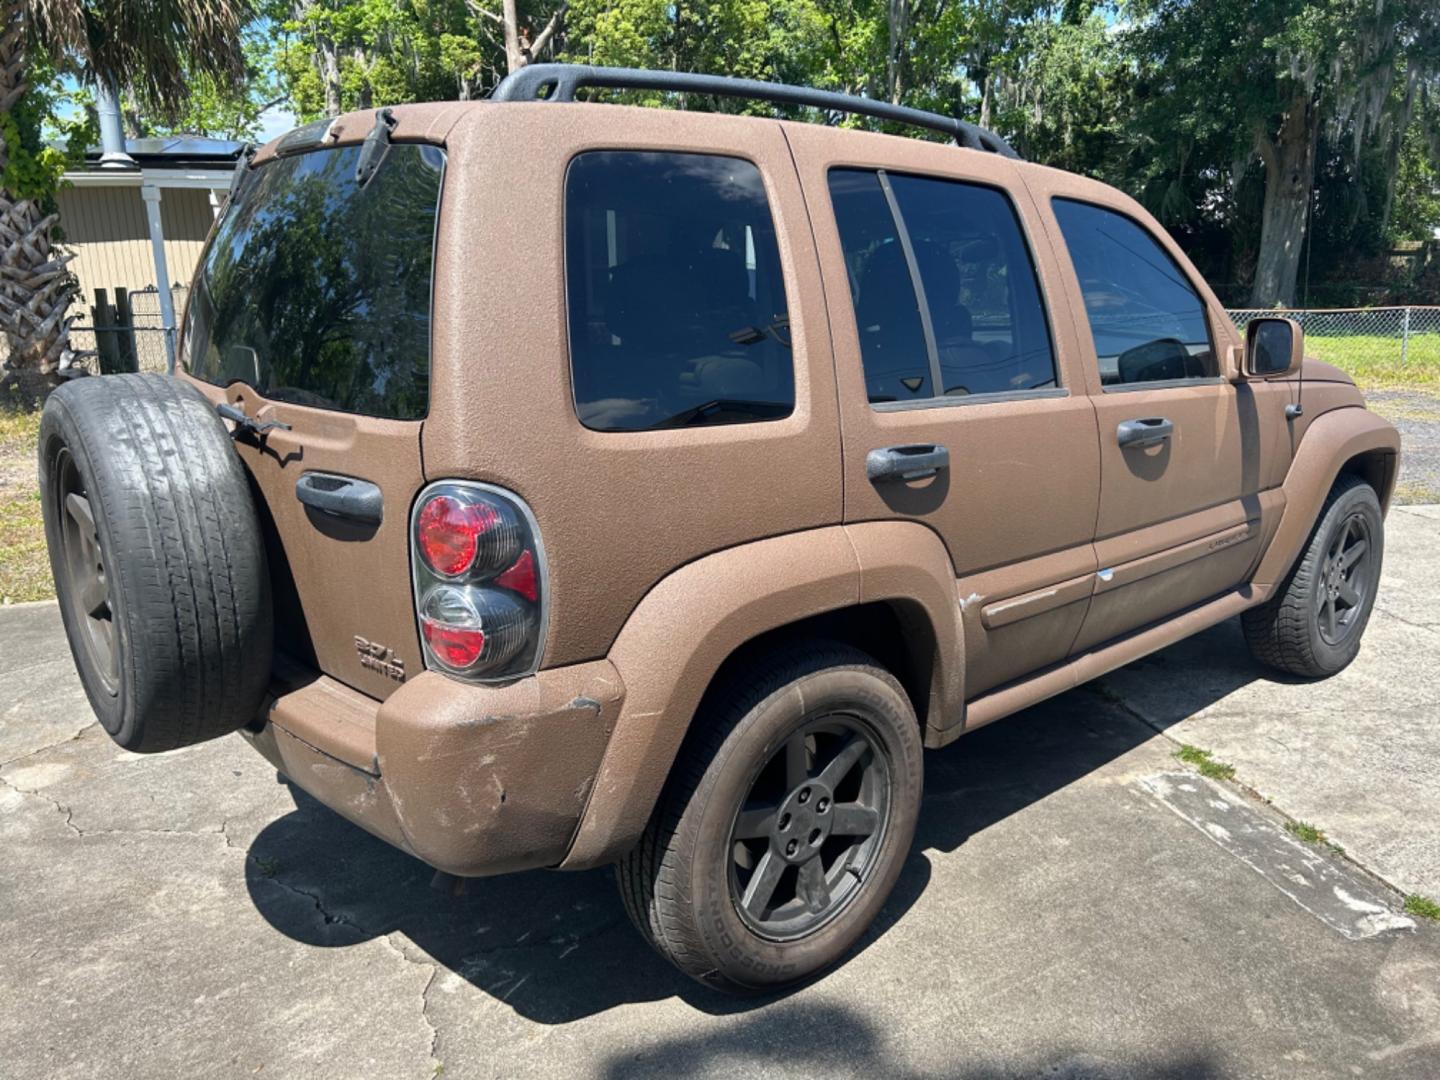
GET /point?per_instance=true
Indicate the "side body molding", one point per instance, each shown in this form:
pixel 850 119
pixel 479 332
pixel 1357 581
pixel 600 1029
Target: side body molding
pixel 687 625
pixel 1331 440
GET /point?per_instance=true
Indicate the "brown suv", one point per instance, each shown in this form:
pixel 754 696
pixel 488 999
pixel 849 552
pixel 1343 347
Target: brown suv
pixel 603 484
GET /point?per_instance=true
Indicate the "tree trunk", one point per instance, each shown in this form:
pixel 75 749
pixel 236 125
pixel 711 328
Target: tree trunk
pixel 35 287
pixel 514 57
pixel 899 22
pixel 329 75
pixel 366 97
pixel 1289 176
pixel 327 60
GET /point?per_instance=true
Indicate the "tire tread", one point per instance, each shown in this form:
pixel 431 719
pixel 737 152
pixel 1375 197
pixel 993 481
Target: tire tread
pixel 1279 632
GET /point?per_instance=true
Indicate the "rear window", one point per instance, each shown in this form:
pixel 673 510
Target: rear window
pixel 676 296
pixel 316 290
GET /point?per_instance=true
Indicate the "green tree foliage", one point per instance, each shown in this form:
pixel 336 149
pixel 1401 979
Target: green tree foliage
pixel 1281 140
pixel 1301 92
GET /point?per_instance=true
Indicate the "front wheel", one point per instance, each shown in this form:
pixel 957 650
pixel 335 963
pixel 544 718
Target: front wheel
pixel 1312 626
pixel 785 823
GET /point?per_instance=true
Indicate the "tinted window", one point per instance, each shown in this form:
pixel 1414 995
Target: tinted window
pixel 977 280
pixel 676 299
pixel 317 291
pixel 1147 320
pixel 887 315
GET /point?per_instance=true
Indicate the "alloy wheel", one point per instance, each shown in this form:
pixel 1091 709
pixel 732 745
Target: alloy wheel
pixel 1345 579
pixel 88 586
pixel 810 828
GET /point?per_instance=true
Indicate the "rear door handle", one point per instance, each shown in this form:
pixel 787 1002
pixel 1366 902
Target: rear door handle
pixel 1146 431
pixel 341 496
pixel 913 462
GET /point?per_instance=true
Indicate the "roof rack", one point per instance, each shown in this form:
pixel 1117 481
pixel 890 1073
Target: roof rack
pixel 558 82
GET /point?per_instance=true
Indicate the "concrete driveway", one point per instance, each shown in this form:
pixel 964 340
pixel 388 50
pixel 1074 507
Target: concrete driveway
pixel 1077 904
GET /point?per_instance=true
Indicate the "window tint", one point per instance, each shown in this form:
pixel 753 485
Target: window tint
pixel 1147 320
pixel 317 291
pixel 977 281
pixel 887 315
pixel 676 299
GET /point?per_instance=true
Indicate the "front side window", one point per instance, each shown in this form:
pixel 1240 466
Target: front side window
pixel 1147 320
pixel 951 255
pixel 316 289
pixel 676 297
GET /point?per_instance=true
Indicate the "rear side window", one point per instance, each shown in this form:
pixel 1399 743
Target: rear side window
pixel 676 298
pixel 1147 320
pixel 316 290
pixel 920 250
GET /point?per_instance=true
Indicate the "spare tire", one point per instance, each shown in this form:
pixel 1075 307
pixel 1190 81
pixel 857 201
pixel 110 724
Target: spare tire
pixel 158 559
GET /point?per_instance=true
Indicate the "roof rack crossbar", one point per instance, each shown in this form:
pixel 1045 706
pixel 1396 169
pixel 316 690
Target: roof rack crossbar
pixel 558 82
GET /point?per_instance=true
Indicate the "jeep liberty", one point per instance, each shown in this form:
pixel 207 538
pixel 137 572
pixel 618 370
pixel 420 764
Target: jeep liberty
pixel 654 494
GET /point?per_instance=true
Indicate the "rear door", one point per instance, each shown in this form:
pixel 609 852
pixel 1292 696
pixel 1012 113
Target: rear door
pixel 311 310
pixel 937 277
pixel 1189 459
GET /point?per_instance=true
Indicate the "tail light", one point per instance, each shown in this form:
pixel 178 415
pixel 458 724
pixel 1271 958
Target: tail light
pixel 479 581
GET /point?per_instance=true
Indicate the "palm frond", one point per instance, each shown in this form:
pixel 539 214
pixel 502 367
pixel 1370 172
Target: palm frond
pixel 153 47
pixel 58 25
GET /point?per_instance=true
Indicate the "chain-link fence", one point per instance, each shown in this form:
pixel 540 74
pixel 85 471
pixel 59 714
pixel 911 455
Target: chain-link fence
pixel 1394 344
pixel 134 340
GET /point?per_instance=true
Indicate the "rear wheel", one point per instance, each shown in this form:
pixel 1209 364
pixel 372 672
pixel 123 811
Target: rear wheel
pixel 158 559
pixel 785 824
pixel 1312 626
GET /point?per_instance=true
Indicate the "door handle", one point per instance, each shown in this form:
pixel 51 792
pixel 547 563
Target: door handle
pixel 1146 431
pixel 341 496
pixel 913 462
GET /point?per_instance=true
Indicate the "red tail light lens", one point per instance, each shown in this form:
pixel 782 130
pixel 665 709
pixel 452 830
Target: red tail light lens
pixel 479 581
pixel 520 577
pixel 447 532
pixel 457 533
pixel 456 647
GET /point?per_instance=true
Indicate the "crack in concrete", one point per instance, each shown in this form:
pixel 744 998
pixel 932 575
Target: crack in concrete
pixel 433 970
pixel 1430 627
pixel 45 749
pixel 330 918
pixel 78 831
pixel 59 806
pixel 1111 695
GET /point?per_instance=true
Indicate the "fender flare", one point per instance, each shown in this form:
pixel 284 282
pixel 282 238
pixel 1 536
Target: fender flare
pixel 1332 439
pixel 676 639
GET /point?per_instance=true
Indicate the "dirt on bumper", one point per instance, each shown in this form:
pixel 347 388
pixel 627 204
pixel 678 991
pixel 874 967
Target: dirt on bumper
pixel 474 780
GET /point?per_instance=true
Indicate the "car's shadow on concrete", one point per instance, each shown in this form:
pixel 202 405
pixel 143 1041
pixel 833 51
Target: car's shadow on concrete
pixel 557 947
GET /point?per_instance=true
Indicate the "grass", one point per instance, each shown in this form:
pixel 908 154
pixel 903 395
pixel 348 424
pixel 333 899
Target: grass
pixel 1203 763
pixel 268 867
pixel 1311 835
pixel 1373 360
pixel 18 429
pixel 1413 492
pixel 1422 907
pixel 24 564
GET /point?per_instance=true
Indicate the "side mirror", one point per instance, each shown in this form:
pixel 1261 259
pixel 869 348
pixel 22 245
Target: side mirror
pixel 1273 346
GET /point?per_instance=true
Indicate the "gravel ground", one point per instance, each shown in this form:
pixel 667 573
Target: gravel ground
pixel 1417 415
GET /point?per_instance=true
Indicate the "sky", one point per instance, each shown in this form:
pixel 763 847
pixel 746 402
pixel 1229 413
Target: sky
pixel 274 121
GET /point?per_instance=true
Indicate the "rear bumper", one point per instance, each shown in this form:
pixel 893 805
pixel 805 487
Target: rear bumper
pixel 474 780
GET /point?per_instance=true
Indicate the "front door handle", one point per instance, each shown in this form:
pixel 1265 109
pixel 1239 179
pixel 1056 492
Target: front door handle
pixel 912 462
pixel 341 496
pixel 1147 431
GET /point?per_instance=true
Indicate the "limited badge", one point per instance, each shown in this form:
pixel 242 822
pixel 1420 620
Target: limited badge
pixel 380 658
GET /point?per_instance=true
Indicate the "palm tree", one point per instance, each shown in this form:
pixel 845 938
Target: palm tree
pixel 151 47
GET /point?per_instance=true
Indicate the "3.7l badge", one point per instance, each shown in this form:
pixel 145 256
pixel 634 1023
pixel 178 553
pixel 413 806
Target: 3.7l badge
pixel 380 658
